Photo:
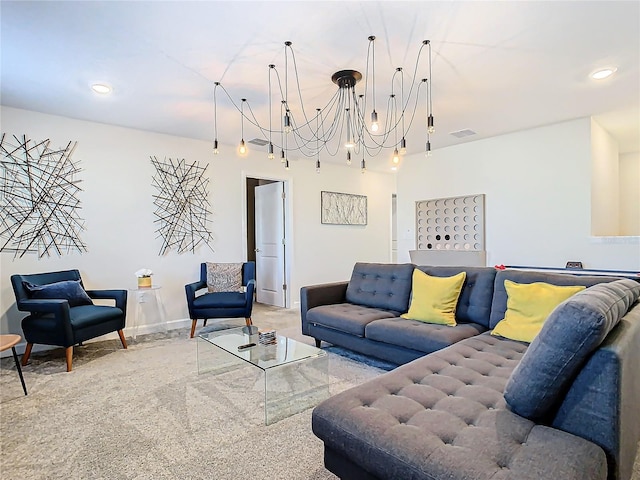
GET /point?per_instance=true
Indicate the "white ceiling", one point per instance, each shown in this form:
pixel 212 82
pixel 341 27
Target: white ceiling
pixel 498 67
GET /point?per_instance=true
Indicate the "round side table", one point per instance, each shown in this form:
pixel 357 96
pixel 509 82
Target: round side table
pixel 10 341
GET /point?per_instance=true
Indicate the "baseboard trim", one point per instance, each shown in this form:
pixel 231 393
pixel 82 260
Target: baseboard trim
pixel 128 333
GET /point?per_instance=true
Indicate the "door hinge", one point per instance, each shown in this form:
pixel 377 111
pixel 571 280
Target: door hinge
pixel 284 195
pixel 284 286
pixel 283 241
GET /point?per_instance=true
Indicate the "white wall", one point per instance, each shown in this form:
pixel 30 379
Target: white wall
pixel 630 194
pixel 605 183
pixel 117 205
pixel 538 196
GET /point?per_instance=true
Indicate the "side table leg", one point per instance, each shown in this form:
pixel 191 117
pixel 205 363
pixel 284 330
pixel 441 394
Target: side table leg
pixel 15 359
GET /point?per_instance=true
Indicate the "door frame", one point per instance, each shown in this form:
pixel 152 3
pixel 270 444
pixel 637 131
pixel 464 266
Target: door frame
pixel 288 222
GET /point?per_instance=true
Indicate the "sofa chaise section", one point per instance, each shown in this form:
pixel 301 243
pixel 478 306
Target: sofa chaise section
pixel 444 416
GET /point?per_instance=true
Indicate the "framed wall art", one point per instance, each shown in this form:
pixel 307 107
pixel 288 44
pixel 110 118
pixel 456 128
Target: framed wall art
pixel 343 208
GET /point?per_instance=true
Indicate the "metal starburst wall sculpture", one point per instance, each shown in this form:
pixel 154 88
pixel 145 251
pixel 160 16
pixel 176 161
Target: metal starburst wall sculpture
pixel 39 197
pixel 182 207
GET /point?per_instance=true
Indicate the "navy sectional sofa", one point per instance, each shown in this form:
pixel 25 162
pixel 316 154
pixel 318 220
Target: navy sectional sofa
pixel 468 405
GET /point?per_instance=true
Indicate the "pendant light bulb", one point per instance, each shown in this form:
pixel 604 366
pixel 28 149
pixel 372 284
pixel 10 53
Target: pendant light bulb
pixel 282 157
pixel 428 150
pixel 271 156
pixel 363 166
pixel 287 123
pixel 396 157
pixel 430 127
pixel 374 121
pixel 242 148
pixel 215 147
pixel 403 146
pixel 317 166
pixel 286 164
pixel 348 158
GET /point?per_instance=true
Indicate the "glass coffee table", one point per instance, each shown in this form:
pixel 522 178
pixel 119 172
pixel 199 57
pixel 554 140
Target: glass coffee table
pixel 295 374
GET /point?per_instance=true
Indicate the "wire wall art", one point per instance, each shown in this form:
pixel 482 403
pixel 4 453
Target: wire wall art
pixel 182 205
pixel 39 197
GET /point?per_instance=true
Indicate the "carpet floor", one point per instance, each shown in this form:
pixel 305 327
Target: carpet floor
pixel 146 413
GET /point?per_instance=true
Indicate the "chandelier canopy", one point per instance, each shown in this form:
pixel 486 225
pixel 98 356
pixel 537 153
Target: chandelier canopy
pixel 348 124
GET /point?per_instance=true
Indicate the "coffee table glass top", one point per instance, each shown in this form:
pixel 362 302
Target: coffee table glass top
pixel 284 351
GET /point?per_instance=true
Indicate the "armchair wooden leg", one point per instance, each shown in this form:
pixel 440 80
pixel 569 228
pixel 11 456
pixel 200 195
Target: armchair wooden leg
pixel 318 342
pixel 205 321
pixel 27 353
pixel 69 355
pixel 248 321
pixel 122 339
pixel 193 326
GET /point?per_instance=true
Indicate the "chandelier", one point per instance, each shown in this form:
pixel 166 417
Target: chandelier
pixel 348 124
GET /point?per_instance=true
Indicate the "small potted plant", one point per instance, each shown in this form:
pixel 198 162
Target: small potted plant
pixel 144 278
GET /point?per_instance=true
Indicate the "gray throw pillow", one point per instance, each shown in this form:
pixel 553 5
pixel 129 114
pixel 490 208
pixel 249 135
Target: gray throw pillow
pixel 573 330
pixel 224 277
pixel 69 290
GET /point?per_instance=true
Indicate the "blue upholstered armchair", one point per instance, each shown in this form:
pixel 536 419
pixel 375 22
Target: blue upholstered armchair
pixel 62 313
pixel 221 304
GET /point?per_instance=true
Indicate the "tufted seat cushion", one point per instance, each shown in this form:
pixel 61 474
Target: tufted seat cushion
pixel 444 416
pixel 420 336
pixel 346 317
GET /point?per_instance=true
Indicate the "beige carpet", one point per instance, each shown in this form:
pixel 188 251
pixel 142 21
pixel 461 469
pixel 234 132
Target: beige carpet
pixel 145 413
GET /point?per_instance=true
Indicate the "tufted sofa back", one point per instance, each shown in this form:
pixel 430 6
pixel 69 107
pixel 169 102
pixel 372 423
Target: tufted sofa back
pixel 474 304
pixel 381 285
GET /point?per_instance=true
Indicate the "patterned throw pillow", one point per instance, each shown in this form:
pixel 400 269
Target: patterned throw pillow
pixel 224 277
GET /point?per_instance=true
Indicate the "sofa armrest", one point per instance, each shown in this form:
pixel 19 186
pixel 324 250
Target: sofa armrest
pixel 190 291
pixel 251 287
pixel 192 288
pixel 119 296
pixel 59 307
pixel 601 405
pixel 60 310
pixel 323 294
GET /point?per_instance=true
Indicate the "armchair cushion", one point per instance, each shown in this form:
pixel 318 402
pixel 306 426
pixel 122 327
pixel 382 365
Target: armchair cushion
pixel 220 300
pixel 89 315
pixel 224 277
pixel 70 290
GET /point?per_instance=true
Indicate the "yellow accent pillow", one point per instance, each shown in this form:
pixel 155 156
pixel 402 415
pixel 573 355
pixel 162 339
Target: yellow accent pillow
pixel 528 306
pixel 434 299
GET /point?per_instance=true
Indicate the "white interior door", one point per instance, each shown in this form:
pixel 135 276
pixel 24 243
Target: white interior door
pixel 270 244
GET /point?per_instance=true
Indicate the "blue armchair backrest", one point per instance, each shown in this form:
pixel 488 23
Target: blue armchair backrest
pixel 40 279
pixel 248 272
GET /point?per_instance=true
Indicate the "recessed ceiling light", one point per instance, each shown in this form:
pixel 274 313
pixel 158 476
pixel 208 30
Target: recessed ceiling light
pixel 603 73
pixel 101 88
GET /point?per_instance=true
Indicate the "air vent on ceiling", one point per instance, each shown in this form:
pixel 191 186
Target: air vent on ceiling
pixel 463 133
pixel 258 141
